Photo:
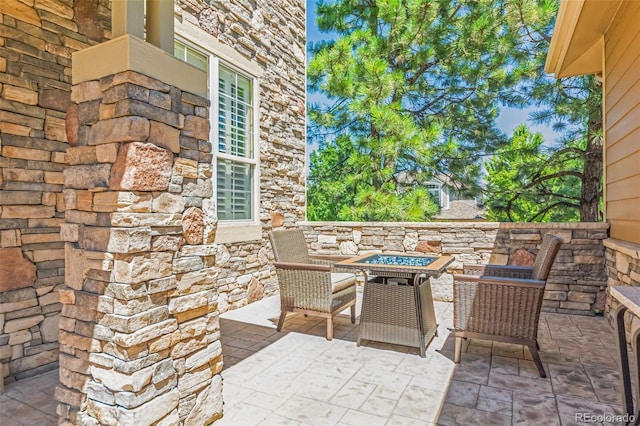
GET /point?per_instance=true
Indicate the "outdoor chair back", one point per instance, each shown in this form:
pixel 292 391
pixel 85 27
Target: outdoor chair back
pixel 502 303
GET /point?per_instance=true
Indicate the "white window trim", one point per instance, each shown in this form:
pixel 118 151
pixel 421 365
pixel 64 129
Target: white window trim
pixel 229 231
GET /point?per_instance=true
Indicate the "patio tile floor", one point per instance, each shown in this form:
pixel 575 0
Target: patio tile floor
pixel 297 377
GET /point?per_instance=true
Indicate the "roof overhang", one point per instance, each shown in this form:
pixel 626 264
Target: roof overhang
pixel 577 43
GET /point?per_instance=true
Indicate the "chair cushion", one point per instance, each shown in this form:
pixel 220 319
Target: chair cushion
pixel 341 280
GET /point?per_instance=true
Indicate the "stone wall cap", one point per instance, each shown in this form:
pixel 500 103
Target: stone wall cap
pixel 624 247
pixel 462 225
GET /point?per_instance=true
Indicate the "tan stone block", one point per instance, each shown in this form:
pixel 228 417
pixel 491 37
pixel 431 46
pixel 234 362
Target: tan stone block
pixel 20 94
pixel 188 302
pixel 54 178
pixel 60 202
pixel 203 357
pixel 186 168
pixel 107 111
pixel 81 155
pixel 55 129
pixel 122 201
pixel 208 404
pixel 15 129
pixel 23 212
pixel 69 396
pixel 196 127
pixel 107 153
pixel 75 267
pixel 55 99
pixel 142 167
pixel 122 129
pixel 41 238
pixel 25 153
pixel 142 267
pixel 168 203
pixel 3 63
pixel 84 200
pixel 20 11
pixel 15 270
pixel 86 91
pixel 58 157
pixel 89 176
pixel 47 255
pixel 67 296
pixel 146 334
pixel 145 219
pixel 56 7
pixel 152 411
pixel 166 243
pixel 22 175
pixel 165 136
pixel 72 125
pixel 19 337
pixel 70 199
pixel 22 323
pixel 16 306
pixel 117 240
pixel 10 238
pixel 49 198
pixel 48 299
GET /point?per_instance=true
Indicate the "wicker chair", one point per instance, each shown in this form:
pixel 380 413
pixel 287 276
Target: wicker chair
pixel 310 284
pixel 502 303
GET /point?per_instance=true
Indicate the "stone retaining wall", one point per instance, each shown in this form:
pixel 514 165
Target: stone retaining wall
pixel 577 282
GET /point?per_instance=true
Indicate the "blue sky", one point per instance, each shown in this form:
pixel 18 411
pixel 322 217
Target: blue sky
pixel 508 120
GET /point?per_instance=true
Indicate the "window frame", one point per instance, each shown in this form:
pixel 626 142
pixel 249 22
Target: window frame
pixel 231 230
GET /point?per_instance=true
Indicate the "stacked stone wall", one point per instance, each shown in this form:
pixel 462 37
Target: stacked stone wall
pixel 271 35
pixel 139 332
pixel 36 43
pixel 623 269
pixel 576 284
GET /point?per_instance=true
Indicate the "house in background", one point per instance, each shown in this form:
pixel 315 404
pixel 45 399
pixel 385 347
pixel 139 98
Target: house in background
pixel 454 205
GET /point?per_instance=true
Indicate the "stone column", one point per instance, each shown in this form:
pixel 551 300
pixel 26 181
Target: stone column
pixel 139 332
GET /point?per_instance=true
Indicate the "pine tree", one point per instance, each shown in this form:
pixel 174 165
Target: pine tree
pixel 413 90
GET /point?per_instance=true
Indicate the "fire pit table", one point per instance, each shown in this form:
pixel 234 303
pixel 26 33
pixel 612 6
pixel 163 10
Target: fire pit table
pixel 397 306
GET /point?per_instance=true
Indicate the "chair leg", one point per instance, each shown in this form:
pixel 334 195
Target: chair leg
pixel 537 360
pixel 330 328
pixel 353 314
pixel 283 315
pixel 458 353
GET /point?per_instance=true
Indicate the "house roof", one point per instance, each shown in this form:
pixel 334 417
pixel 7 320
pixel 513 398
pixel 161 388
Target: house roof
pixel 462 210
pixel 577 43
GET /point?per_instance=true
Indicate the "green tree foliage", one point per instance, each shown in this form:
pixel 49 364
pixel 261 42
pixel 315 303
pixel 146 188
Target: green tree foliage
pixel 572 105
pixel 527 183
pixel 413 89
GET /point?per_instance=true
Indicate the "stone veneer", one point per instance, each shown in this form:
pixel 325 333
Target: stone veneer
pixel 623 269
pixel 576 284
pixel 139 331
pixel 36 43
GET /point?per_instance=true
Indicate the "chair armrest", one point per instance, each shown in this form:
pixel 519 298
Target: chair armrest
pixel 332 257
pixel 302 266
pixel 504 281
pixel 498 270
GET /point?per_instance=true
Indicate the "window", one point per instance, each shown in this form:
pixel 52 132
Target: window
pixel 434 190
pixel 233 130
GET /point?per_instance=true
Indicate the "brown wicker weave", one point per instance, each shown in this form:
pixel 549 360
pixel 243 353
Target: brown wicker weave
pixel 503 303
pixel 307 282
